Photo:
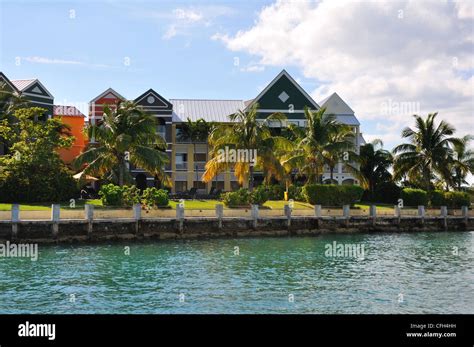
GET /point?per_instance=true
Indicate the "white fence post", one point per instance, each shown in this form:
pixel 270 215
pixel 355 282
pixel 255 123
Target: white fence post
pixel 219 214
pixel 254 215
pixel 180 216
pixel 373 213
pixel 421 213
pixel 317 211
pixel 287 211
pixel 55 216
pixel 444 215
pixel 465 213
pixel 89 216
pixel 15 220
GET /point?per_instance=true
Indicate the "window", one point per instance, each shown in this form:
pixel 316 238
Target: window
pixel 181 161
pixel 234 185
pixel 218 185
pixel 161 130
pixel 200 156
pixel 180 186
pixel 199 185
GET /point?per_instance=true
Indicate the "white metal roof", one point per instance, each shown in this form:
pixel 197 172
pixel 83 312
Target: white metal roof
pixel 348 119
pixel 334 104
pixel 22 84
pixel 209 110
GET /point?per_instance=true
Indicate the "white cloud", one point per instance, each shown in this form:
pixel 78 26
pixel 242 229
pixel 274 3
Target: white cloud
pixel 44 60
pixel 188 15
pixel 184 19
pixel 410 55
pixel 55 61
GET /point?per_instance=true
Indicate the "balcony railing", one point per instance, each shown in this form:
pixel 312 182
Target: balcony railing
pixel 181 166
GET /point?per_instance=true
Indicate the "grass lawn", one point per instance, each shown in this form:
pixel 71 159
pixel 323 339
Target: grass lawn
pixel 189 204
pixel 381 207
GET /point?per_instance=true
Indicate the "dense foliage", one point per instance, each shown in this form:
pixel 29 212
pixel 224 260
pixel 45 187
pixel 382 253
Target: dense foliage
pixel 127 196
pixel 32 171
pixel 331 194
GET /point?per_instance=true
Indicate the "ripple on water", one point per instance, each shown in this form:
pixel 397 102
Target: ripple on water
pixel 421 268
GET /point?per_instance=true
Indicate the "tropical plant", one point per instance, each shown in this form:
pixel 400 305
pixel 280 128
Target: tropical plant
pixel 375 163
pixel 461 164
pixel 125 135
pixel 323 141
pixel 247 132
pixel 428 153
pixel 195 131
pixel 32 171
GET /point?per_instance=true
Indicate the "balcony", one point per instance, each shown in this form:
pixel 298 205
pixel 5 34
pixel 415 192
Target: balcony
pixel 182 166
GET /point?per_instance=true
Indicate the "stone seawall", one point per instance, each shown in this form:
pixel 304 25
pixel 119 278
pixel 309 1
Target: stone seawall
pixel 83 231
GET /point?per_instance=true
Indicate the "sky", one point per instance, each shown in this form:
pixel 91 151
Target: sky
pixel 388 60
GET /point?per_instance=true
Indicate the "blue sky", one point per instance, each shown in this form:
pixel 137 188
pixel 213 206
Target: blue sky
pixel 387 59
pixel 79 49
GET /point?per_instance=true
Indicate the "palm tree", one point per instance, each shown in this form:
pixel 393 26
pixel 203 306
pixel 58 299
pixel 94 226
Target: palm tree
pixel 197 131
pixel 323 141
pixel 428 153
pixel 340 147
pixel 375 163
pixel 126 134
pixel 248 133
pixel 461 165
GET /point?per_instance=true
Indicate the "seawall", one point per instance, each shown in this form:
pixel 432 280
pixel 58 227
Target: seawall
pixel 84 231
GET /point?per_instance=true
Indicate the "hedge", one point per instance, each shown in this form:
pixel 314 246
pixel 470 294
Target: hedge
pixel 437 198
pixel 414 197
pixel 457 199
pixel 243 197
pixel 331 194
pixel 113 195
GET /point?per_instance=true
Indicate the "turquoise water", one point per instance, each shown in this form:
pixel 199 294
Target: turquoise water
pixel 400 273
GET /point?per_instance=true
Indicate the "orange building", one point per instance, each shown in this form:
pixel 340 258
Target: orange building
pixel 75 119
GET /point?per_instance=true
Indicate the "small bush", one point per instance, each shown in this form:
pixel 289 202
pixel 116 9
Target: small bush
pixel 385 192
pixel 414 197
pixel 130 195
pixel 437 198
pixel 276 192
pixel 331 194
pixel 295 193
pixel 240 197
pixel 457 199
pixel 111 195
pixel 155 197
pixel 259 196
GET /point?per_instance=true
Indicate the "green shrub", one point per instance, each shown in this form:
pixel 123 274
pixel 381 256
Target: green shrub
pixel 240 197
pixel 436 198
pixel 385 192
pixel 331 194
pixel 276 192
pixel 295 193
pixel 414 197
pixel 111 195
pixel 259 196
pixel 457 199
pixel 130 195
pixel 155 197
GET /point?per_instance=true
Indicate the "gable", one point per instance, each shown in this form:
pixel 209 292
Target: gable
pixel 8 85
pixel 153 101
pixel 284 94
pixel 334 104
pixel 37 89
pixel 107 97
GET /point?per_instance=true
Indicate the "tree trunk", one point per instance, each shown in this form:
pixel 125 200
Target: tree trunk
pixel 331 173
pixel 121 173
